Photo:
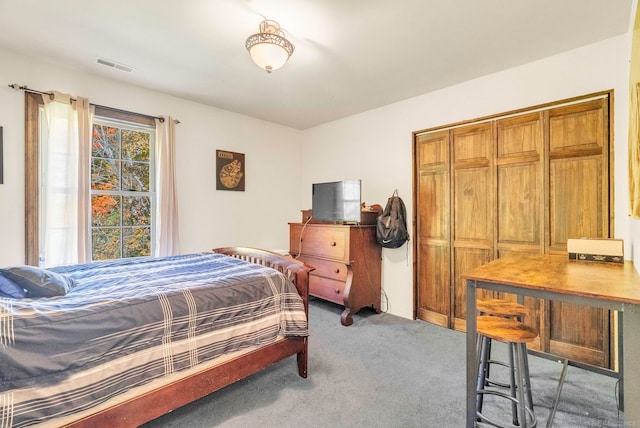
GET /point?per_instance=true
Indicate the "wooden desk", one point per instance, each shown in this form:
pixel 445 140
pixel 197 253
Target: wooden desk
pixel 554 277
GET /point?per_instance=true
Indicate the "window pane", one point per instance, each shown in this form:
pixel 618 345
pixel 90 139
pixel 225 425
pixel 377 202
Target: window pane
pixel 135 145
pixel 105 142
pixel 136 211
pixel 121 169
pixel 135 176
pixel 105 210
pixel 104 174
pixel 105 243
pixel 137 241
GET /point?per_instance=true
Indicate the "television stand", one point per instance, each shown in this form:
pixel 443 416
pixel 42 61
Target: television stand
pixel 347 262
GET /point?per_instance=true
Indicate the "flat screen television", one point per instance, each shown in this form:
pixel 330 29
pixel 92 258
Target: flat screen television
pixel 336 201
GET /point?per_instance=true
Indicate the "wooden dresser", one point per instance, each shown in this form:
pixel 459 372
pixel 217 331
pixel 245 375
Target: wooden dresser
pixel 347 262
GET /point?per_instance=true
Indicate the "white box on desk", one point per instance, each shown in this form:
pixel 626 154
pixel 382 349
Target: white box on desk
pixel 596 250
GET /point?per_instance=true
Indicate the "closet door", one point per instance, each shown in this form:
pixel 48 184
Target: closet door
pixel 579 206
pixel 433 252
pixel 520 196
pixel 473 196
pixel 523 183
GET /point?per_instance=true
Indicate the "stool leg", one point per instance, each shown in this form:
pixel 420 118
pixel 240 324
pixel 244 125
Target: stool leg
pixel 487 370
pixel 526 374
pixel 483 363
pixel 521 357
pixel 526 377
pixel 512 382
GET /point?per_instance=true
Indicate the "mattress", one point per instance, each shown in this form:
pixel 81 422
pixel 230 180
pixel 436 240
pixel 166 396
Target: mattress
pixel 131 321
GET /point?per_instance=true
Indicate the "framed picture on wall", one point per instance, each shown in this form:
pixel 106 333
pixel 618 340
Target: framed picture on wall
pixel 230 173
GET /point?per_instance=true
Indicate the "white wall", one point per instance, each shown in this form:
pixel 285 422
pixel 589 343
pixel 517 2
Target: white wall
pixel 208 218
pixel 376 146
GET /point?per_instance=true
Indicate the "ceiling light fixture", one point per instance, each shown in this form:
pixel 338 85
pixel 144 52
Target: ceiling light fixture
pixel 269 49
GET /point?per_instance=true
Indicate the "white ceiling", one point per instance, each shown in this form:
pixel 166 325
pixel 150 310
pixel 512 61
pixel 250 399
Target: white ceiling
pixel 350 55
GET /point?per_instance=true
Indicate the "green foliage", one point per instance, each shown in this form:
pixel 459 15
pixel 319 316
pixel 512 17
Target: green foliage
pixel 136 211
pixel 105 243
pixel 137 241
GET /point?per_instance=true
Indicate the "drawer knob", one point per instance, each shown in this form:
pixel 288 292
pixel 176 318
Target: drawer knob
pixel 337 290
pixel 333 243
pixel 336 270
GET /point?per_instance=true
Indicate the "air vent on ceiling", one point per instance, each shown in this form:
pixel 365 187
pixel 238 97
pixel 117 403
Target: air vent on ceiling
pixel 114 64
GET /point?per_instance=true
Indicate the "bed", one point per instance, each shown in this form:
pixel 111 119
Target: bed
pixel 136 338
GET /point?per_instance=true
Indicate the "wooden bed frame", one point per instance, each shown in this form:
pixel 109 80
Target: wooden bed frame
pixel 164 399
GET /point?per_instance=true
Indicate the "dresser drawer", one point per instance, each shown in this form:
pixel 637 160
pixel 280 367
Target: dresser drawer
pixel 327 268
pixel 327 289
pixel 327 242
pixel 346 261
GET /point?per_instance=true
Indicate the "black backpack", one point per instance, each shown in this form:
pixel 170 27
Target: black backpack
pixel 392 223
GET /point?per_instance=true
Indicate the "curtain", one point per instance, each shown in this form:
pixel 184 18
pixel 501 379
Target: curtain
pixel 85 125
pixel 166 220
pixel 64 181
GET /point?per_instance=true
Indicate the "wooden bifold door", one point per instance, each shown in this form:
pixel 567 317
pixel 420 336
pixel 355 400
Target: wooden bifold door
pixel 524 181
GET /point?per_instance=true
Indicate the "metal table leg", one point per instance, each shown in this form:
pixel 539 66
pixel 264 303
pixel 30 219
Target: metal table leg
pixel 565 364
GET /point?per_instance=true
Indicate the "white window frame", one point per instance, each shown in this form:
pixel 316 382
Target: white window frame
pixel 151 193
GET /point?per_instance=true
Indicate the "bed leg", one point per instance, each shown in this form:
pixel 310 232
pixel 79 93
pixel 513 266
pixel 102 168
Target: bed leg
pixel 302 361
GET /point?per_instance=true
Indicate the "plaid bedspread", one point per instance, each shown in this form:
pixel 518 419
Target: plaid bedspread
pixel 131 321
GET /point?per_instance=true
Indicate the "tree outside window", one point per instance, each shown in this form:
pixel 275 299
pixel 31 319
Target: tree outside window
pixel 121 190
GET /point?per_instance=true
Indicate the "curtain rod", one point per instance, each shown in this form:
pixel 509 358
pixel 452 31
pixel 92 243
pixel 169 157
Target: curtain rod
pixel 51 95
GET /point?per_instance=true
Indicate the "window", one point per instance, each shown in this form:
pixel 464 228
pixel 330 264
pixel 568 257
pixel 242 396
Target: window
pixel 122 194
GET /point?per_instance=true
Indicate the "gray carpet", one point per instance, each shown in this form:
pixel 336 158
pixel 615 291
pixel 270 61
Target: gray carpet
pixel 385 371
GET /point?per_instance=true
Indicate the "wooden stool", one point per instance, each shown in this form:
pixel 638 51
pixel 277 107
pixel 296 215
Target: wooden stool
pixel 504 309
pixel 516 335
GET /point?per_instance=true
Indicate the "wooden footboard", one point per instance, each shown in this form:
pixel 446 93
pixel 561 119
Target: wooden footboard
pixel 162 400
pixel 295 270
